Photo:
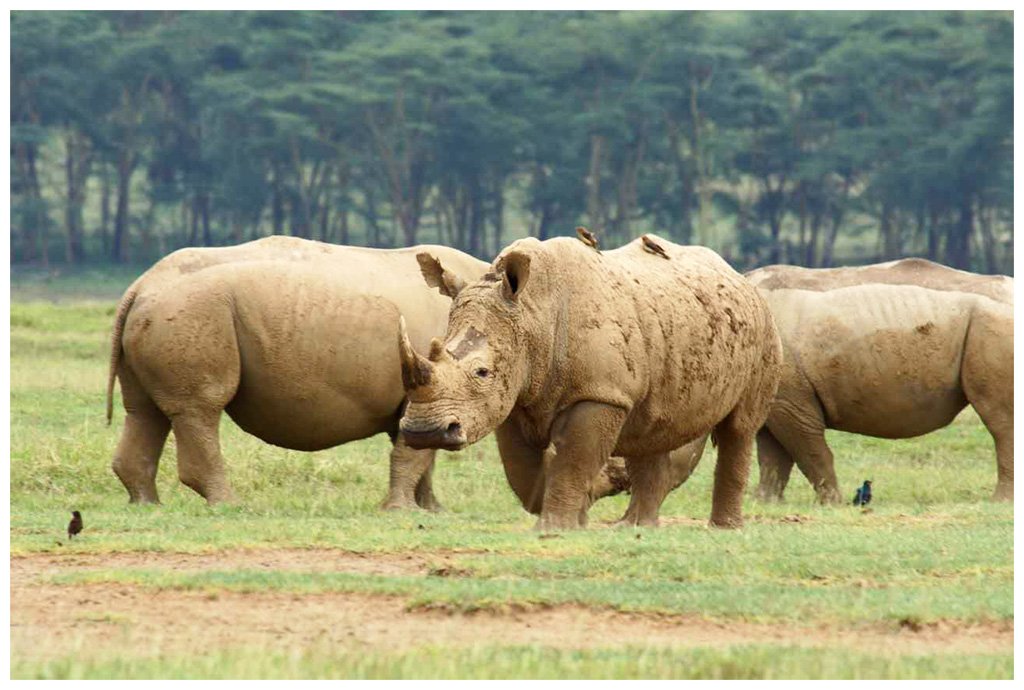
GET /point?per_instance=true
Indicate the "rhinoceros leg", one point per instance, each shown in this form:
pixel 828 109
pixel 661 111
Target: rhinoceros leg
pixel 651 480
pixel 987 380
pixel 775 463
pixel 524 466
pixel 584 437
pixel 411 482
pixel 425 497
pixel 803 437
pixel 142 441
pixel 200 464
pixel 731 470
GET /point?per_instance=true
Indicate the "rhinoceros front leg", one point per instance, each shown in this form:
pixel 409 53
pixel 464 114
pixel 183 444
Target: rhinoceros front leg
pixel 804 439
pixel 425 497
pixel 584 437
pixel 524 466
pixel 411 483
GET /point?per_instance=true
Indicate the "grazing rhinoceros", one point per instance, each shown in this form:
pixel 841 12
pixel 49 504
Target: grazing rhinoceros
pixel 294 339
pixel 625 352
pixel 892 350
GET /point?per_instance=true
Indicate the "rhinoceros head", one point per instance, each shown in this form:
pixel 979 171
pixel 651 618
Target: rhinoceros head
pixel 469 383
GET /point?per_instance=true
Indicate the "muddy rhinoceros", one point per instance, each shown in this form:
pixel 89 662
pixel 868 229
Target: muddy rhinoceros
pixel 294 339
pixel 625 352
pixel 891 350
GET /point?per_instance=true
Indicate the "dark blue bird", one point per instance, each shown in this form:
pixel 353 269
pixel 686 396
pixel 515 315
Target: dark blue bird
pixel 863 495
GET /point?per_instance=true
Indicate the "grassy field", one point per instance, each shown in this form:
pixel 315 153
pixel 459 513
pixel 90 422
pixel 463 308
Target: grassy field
pixel 920 586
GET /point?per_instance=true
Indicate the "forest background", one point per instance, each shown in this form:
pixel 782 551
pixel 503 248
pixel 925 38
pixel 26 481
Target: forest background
pixel 811 138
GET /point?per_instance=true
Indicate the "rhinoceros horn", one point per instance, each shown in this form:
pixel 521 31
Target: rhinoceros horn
pixel 416 370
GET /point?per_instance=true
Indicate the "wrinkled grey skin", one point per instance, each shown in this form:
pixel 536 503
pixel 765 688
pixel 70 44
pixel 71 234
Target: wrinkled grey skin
pixel 293 339
pixel 628 352
pixel 891 350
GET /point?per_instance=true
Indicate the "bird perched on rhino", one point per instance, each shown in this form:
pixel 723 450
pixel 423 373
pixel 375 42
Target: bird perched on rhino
pixel 863 495
pixel 75 526
pixel 588 238
pixel 653 247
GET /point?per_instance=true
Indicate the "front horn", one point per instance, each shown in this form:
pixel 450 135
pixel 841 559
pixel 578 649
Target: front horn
pixel 415 369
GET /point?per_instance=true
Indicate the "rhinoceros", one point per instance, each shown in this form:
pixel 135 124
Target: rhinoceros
pixel 892 350
pixel 623 352
pixel 294 339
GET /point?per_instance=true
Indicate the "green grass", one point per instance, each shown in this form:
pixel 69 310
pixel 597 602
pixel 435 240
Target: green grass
pixel 744 662
pixel 932 548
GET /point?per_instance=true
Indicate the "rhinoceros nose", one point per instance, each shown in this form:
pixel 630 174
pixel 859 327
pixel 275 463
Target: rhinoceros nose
pixel 448 436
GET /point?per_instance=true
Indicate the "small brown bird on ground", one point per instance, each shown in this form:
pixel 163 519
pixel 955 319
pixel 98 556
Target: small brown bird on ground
pixel 653 247
pixel 588 238
pixel 75 526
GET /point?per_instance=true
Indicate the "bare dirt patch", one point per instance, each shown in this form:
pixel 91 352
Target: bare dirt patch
pixel 49 621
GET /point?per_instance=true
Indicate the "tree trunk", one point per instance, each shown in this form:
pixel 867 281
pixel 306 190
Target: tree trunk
pixel 125 168
pixel 343 225
pixel 804 243
pixel 811 255
pixel 594 182
pixel 499 215
pixel 105 209
pixel 34 217
pixel 193 229
pixel 830 238
pixel 775 225
pixel 922 222
pixel 703 188
pixel 685 185
pixel 278 203
pixel 476 219
pixel 76 167
pixel 890 233
pixel 959 236
pixel 933 233
pixel 988 241
pixel 544 226
pixel 204 208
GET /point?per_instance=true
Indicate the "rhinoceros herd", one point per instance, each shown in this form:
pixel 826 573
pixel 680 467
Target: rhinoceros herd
pixel 597 371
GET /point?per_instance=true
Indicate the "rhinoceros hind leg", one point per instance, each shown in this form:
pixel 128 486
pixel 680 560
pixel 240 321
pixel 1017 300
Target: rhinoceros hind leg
pixel 775 464
pixel 142 441
pixel 987 379
pixel 411 484
pixel 651 481
pixel 200 465
pixel 731 472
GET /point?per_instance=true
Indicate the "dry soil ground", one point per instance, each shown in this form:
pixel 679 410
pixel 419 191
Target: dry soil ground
pixel 53 621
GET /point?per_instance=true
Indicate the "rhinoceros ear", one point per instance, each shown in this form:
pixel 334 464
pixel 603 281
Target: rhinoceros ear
pixel 515 274
pixel 438 276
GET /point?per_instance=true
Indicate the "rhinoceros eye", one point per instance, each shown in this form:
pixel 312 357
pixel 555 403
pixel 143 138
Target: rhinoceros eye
pixel 482 372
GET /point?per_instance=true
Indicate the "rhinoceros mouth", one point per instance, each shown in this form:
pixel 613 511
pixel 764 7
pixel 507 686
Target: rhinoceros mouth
pixel 450 437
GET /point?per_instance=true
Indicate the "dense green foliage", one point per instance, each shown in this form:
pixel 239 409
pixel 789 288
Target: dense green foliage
pixel 931 550
pixel 775 136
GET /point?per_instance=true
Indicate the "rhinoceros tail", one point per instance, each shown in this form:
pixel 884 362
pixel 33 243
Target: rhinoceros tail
pixel 115 346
